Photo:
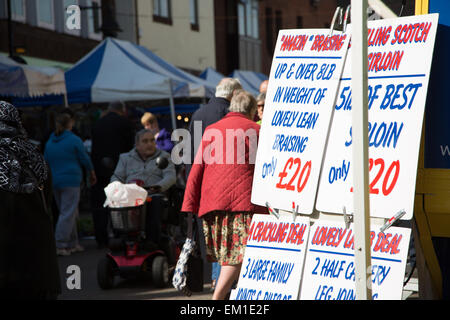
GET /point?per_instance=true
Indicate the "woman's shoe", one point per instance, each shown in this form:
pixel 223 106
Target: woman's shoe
pixel 77 248
pixel 62 252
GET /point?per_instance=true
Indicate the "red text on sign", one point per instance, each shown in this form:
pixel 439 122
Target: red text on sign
pixel 302 173
pixel 387 178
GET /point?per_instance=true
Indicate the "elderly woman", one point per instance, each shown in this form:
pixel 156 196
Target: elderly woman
pixel 219 187
pixel 260 101
pixel 140 164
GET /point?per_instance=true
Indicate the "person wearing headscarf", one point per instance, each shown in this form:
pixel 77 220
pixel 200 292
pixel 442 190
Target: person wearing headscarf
pixel 28 263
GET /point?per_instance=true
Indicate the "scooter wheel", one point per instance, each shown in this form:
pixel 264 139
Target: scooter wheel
pixel 105 273
pixel 160 272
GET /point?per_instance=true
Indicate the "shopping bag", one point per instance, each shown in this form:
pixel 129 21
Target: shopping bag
pixel 188 275
pixel 119 195
pixel 195 273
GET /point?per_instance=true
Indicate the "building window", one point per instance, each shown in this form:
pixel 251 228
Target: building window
pixel 255 23
pixel 241 19
pixel 162 11
pixel 278 21
pixel 193 7
pixel 45 14
pixel 248 18
pixel 18 12
pixel 66 4
pixel 269 30
pixel 299 22
pixel 94 15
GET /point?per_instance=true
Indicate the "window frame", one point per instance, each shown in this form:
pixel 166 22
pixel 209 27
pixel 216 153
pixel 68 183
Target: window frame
pixel 16 17
pixel 248 11
pixel 255 20
pixel 299 22
pixel 194 26
pixel 278 21
pixel 157 17
pixel 241 15
pixel 269 29
pixel 94 35
pixel 43 24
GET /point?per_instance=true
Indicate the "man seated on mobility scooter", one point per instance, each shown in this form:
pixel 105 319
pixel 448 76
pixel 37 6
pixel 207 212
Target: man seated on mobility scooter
pixel 142 165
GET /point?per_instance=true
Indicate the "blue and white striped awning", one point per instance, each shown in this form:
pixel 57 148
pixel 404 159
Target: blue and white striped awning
pixel 194 86
pixel 109 73
pixel 21 80
pixel 250 80
pixel 212 76
pixel 120 70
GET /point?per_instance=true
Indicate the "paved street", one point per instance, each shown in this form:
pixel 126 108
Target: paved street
pixel 132 289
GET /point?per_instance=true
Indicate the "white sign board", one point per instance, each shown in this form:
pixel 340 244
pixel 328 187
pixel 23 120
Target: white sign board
pixel 329 272
pixel 273 260
pixel 304 78
pixel 400 55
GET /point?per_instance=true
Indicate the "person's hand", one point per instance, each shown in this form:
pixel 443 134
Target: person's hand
pixel 93 178
pixel 154 189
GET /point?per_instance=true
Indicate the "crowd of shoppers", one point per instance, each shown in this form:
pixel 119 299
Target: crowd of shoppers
pixel 33 180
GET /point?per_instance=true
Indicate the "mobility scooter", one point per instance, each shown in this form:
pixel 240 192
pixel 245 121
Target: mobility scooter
pixel 131 252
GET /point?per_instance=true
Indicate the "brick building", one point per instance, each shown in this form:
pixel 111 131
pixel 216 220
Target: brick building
pixel 40 36
pixel 247 30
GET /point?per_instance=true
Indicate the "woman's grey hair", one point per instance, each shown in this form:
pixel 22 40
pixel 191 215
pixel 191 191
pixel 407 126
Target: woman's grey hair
pixel 243 102
pixel 139 134
pixel 261 97
pixel 226 87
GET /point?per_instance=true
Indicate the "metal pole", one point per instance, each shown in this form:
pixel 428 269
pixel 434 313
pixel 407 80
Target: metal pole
pixel 66 100
pixel 10 31
pixel 361 215
pixel 172 106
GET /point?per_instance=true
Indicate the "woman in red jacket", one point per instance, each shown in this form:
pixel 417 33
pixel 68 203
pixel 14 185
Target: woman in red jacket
pixel 219 187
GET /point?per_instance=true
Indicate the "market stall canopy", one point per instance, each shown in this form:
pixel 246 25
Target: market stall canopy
pixel 250 80
pixel 212 76
pixel 195 86
pixel 110 73
pixel 121 70
pixel 21 80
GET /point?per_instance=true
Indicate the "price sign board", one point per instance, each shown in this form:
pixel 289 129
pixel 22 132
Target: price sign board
pixel 399 59
pixel 274 259
pixel 329 272
pixel 304 78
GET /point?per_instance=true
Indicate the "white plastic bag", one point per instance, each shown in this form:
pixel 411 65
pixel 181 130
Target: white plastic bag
pixel 119 195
